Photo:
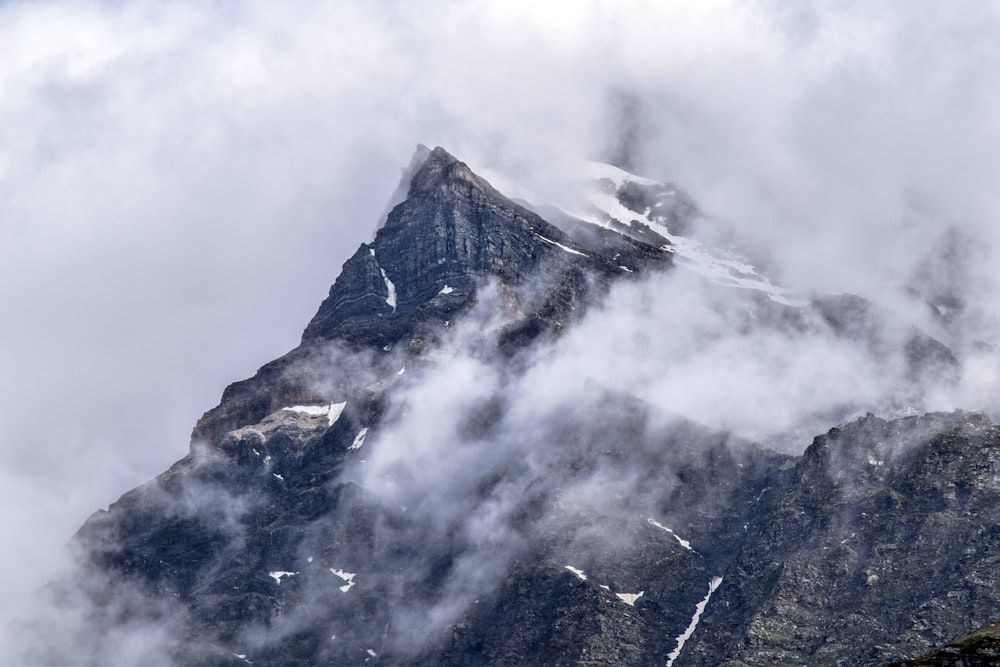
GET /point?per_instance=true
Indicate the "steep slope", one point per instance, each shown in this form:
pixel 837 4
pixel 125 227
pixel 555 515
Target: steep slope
pixel 269 540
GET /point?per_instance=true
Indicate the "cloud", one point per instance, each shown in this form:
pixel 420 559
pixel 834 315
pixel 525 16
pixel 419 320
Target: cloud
pixel 180 183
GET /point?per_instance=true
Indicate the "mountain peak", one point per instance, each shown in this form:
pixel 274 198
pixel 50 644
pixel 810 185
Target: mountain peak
pixel 450 234
pixel 452 231
pixel 438 167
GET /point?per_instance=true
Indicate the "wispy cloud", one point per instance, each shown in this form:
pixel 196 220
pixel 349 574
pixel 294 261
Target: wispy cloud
pixel 180 183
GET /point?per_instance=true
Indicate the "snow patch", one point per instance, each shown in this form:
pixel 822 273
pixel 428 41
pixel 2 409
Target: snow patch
pixel 243 657
pixel 684 543
pixel 371 653
pixel 630 598
pixel 560 246
pixel 699 609
pixel 359 439
pixel 278 574
pixel 332 411
pixel 278 476
pixel 390 289
pixel 625 268
pixel 579 573
pixel 346 576
pixel 447 289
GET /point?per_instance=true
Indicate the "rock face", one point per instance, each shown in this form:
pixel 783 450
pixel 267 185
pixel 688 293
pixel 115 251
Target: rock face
pixel 881 546
pixel 334 509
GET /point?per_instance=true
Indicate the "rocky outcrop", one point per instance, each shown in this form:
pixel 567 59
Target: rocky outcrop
pixel 882 546
pixel 979 648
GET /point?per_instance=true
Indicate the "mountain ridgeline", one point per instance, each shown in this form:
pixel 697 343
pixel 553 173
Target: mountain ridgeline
pixel 417 483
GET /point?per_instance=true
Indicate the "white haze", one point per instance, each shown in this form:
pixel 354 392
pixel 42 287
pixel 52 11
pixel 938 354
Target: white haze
pixel 180 183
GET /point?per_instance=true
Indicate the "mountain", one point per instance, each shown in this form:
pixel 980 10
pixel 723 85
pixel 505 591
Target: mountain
pixel 433 477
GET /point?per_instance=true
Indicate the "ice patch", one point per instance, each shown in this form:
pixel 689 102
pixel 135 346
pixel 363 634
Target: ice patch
pixel 278 476
pixel 359 439
pixel 630 598
pixel 309 559
pixel 699 609
pixel 684 543
pixel 625 268
pixel 560 245
pixel 577 572
pixel 447 289
pixel 346 576
pixel 371 653
pixel 278 574
pixel 243 657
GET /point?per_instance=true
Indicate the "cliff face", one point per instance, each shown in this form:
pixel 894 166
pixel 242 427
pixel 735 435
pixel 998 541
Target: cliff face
pixel 405 488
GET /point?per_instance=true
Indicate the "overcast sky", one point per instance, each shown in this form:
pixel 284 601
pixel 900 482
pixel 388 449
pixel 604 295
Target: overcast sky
pixel 180 182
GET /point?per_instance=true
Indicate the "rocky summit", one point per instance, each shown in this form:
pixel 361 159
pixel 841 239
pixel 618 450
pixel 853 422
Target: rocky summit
pixel 417 483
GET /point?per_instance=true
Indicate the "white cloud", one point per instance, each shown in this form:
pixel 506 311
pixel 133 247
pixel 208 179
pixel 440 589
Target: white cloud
pixel 180 182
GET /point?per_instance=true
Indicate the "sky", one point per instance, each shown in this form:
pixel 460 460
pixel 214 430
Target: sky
pixel 181 182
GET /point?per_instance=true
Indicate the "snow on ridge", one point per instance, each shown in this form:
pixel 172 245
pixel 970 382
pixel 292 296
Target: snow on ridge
pixel 630 598
pixel 684 543
pixel 560 246
pixel 699 609
pixel 618 176
pixel 359 439
pixel 346 576
pixel 278 574
pixel 311 410
pixel 578 572
pixel 717 266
